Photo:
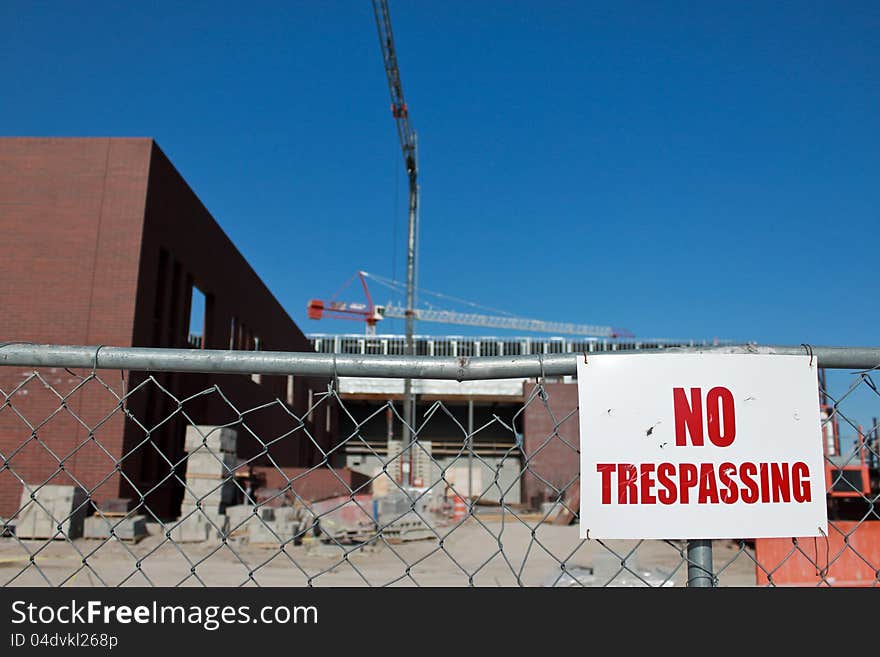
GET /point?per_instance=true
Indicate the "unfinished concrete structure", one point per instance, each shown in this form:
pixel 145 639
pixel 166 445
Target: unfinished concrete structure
pixel 525 448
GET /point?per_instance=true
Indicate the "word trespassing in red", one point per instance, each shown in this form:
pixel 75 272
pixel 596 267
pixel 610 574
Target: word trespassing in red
pixel 704 483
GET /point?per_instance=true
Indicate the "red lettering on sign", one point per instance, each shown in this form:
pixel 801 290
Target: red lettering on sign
pixel 688 479
pixel 800 479
pixel 723 484
pixel 730 493
pixel 647 483
pixel 708 485
pixel 688 417
pixel 626 484
pixel 763 470
pixel 721 422
pixel 747 472
pixel 605 469
pixel 781 483
pixel 668 492
pixel 719 402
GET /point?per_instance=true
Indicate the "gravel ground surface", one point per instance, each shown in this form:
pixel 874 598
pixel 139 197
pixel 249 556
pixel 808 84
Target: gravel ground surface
pixel 472 553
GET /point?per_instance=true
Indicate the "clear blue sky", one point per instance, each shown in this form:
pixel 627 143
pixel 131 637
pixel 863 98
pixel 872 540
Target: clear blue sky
pixel 678 169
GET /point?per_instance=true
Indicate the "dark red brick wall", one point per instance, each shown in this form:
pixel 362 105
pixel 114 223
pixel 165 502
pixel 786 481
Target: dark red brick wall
pixel 102 242
pixel 184 246
pixel 70 216
pixel 71 212
pixel 550 442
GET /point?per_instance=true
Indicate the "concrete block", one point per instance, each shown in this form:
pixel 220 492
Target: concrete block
pixel 216 439
pixel 132 528
pixel 153 528
pixel 208 505
pixel 208 485
pixel 237 514
pixel 270 532
pixel 210 463
pixel 211 492
pixel 257 527
pixel 397 503
pixel 244 526
pixel 52 506
pixel 191 530
pixel 192 511
pixel 115 505
pixel 198 528
pixel 97 527
pixel 279 513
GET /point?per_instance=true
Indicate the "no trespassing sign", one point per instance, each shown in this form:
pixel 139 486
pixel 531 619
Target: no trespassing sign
pixel 700 446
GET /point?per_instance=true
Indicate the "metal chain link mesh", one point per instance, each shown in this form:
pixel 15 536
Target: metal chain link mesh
pixel 198 520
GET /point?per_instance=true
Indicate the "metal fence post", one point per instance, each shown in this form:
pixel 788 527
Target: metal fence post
pixel 700 569
pixel 470 440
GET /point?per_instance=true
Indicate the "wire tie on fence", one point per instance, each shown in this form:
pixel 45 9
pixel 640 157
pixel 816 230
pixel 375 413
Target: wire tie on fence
pixel 71 372
pixel 824 571
pixel 122 376
pixel 585 358
pixel 335 376
pixel 809 350
pixel 541 365
pixel 97 349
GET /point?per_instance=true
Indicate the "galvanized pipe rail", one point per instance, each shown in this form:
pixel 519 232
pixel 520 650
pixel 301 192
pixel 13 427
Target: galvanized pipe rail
pixel 217 361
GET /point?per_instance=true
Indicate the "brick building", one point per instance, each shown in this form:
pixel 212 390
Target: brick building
pixel 551 444
pixel 104 243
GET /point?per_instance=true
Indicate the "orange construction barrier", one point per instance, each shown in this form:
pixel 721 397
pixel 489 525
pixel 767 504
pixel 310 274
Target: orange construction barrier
pixel 459 508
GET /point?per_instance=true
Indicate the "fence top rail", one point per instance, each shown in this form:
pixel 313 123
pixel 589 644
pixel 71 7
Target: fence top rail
pixel 150 359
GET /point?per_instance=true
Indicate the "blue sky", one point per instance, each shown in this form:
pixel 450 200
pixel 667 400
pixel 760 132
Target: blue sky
pixel 679 169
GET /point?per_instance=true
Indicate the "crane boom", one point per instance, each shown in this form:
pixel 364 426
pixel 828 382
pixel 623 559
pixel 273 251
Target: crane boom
pixel 513 323
pixel 372 313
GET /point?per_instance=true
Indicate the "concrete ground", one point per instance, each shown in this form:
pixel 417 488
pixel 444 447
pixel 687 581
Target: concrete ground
pixel 470 553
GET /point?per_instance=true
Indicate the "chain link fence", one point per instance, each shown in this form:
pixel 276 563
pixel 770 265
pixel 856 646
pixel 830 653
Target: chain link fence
pixel 148 467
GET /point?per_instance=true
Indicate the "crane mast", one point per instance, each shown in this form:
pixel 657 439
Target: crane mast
pixel 407 136
pixel 399 109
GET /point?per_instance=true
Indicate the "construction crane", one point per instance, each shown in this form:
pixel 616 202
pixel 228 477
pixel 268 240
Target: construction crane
pixel 407 136
pixel 371 314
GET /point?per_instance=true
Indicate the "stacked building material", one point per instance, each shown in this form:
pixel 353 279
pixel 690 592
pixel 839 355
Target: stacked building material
pixel 210 485
pixel 117 518
pixel 130 528
pixel 343 519
pixel 406 515
pixel 264 525
pixel 51 511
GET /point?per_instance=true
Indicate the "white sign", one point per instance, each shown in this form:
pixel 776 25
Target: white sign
pixel 700 446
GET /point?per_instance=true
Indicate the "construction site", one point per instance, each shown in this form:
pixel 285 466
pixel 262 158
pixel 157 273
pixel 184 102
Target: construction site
pixel 175 427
